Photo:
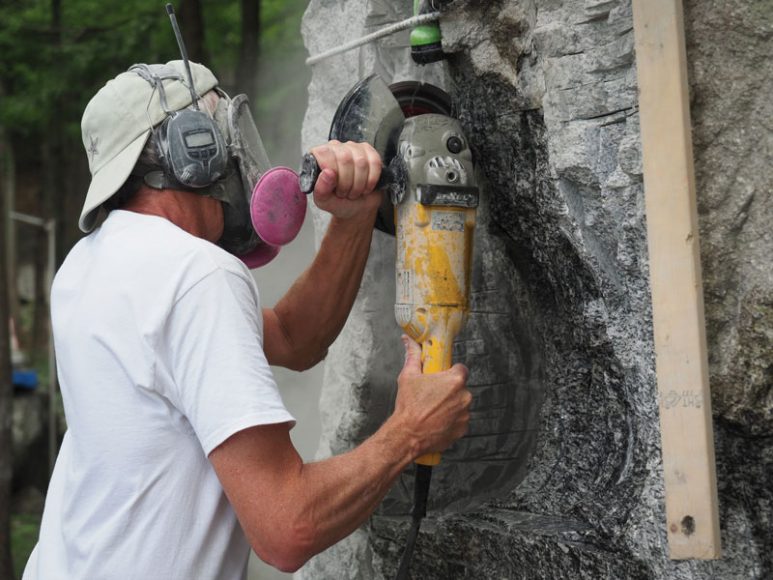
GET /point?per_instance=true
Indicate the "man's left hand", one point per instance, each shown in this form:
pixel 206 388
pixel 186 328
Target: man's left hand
pixel 348 176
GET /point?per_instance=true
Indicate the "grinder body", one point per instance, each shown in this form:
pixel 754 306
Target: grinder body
pixel 431 184
pixel 435 206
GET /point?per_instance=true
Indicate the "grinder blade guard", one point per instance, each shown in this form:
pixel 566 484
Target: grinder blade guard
pixel 413 98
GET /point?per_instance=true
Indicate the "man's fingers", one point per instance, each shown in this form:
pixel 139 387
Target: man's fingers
pixel 374 169
pixel 345 168
pixel 326 184
pixel 360 175
pixel 356 166
pixel 412 366
pixel 462 371
pixel 325 155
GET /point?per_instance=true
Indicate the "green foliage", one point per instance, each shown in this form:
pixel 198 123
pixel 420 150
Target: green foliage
pixel 49 73
pixel 281 97
pixel 222 34
pixel 281 24
pixel 280 30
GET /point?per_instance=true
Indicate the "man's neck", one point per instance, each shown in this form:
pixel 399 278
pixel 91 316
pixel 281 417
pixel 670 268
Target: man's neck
pixel 198 215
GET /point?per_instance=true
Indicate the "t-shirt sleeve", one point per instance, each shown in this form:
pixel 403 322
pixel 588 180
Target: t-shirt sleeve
pixel 222 382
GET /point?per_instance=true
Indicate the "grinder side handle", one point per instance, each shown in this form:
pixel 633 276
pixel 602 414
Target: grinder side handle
pixel 310 171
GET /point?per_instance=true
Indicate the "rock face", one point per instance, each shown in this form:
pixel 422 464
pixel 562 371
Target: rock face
pixel 730 46
pixel 560 475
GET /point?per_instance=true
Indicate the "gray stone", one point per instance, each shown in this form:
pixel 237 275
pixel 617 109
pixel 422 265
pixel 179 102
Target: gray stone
pixel 731 46
pixel 560 475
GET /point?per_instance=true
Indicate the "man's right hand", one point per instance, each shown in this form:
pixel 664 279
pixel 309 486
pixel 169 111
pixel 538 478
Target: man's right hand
pixel 290 510
pixel 435 408
pixel 347 180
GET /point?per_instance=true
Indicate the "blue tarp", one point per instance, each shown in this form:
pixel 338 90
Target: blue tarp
pixel 25 379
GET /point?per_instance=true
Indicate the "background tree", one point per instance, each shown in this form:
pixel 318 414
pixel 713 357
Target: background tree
pixel 249 47
pixel 6 414
pixel 191 20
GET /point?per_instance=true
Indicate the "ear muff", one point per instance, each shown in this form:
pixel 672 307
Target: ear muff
pixel 192 148
pixel 189 142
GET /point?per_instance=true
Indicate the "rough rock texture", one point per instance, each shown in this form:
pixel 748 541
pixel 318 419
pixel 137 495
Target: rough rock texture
pixel 731 50
pixel 560 476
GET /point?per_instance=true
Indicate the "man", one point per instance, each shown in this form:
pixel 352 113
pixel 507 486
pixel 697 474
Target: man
pixel 177 457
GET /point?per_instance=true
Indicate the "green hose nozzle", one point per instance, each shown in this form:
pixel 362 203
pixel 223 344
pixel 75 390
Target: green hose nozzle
pixel 425 39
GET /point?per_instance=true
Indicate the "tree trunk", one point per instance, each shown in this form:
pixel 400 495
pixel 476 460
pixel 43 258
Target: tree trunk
pixel 8 173
pixel 40 315
pixel 249 50
pixel 191 20
pixel 52 163
pixel 53 194
pixel 6 414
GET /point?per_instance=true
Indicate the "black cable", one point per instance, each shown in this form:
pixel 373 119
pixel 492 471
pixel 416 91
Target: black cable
pixel 420 495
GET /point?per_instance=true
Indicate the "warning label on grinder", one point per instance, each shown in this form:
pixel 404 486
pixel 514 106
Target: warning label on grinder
pixel 404 287
pixel 451 221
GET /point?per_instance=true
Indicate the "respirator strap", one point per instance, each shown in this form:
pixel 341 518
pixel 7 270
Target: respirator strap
pixel 159 180
pixel 153 176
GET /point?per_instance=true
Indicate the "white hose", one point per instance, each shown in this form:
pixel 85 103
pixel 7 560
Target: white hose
pixel 386 31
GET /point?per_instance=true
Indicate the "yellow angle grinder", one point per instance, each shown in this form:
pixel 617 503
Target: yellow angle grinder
pixel 430 208
pixel 435 220
pixel 435 198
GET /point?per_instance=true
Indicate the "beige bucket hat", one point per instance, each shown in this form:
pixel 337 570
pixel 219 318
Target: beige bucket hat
pixel 117 123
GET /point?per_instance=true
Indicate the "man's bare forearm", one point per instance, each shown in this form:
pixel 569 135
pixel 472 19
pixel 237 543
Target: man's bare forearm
pixel 349 487
pixel 303 324
pixel 291 511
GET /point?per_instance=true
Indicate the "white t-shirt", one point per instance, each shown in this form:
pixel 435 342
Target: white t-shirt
pixel 159 342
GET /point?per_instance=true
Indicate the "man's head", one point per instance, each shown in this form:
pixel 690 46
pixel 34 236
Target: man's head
pixel 143 129
pixel 119 120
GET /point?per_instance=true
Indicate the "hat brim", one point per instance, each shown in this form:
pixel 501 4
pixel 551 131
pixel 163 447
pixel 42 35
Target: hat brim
pixel 109 179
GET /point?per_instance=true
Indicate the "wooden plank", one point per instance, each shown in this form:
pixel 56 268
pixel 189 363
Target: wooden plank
pixel 675 276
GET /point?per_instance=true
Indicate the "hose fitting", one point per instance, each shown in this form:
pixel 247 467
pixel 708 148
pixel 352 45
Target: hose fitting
pixel 426 45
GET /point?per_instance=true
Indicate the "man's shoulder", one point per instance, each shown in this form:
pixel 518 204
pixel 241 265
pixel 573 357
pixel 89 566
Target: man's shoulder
pixel 160 237
pixel 151 251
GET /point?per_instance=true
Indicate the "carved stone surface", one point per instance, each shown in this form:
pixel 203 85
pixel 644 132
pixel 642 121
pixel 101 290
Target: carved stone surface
pixel 731 47
pixel 560 476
